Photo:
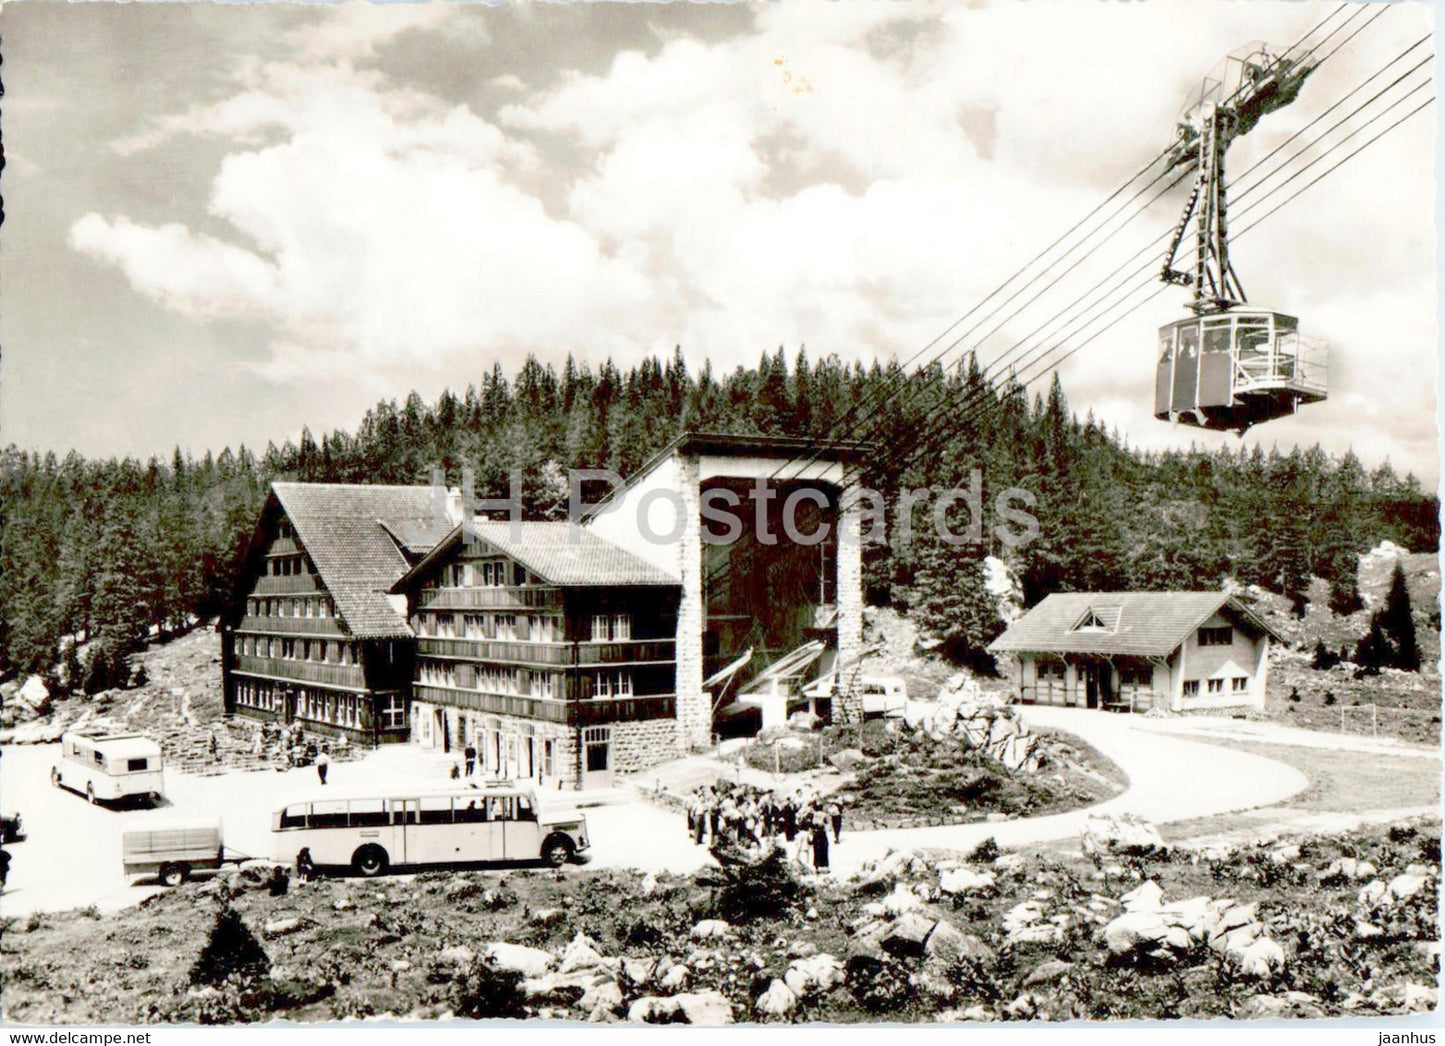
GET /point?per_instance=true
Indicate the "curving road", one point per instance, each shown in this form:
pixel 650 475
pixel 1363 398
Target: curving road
pixel 72 857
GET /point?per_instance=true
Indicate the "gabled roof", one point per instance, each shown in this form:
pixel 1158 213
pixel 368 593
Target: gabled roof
pixel 347 531
pixel 561 553
pixel 1149 624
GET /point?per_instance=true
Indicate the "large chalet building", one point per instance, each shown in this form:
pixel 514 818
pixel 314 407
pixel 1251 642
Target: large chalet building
pixel 562 653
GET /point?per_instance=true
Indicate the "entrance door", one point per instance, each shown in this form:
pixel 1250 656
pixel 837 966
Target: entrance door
pixel 1091 685
pixel 597 757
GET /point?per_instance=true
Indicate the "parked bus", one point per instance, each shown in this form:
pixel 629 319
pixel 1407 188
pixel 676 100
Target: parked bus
pixel 107 767
pixel 373 833
pixel 171 853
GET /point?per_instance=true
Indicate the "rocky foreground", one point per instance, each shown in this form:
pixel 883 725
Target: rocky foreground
pixel 1124 928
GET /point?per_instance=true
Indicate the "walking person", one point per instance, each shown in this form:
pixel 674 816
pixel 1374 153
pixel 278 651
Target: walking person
pixel 835 816
pixel 322 763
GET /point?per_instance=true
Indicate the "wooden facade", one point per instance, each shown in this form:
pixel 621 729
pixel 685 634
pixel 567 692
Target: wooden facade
pixel 538 677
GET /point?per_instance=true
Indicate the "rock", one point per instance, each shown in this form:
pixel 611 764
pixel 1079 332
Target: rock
pixel 905 937
pixel 1403 886
pixel 1283 855
pixel 1372 894
pixel 848 760
pixel 1262 958
pixel 1021 915
pixel 966 880
pixel 1046 972
pixel 1290 1004
pixel 605 995
pixel 674 977
pixel 1419 997
pixel 529 962
pixel 778 1001
pixel 947 944
pixel 639 971
pixel 1122 834
pixel 819 973
pixel 581 954
pixel 1146 897
pixel 456 955
pixel 709 928
pixel 546 916
pixel 649 884
pixel 901 900
pixel 701 1008
pixel 801 949
pixel 281 927
pixel 1134 931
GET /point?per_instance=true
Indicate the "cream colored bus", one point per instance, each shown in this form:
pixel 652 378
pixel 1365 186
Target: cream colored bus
pixel 109 767
pixel 373 833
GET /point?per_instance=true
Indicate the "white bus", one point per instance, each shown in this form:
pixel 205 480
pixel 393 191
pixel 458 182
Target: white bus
pixel 373 833
pixel 107 767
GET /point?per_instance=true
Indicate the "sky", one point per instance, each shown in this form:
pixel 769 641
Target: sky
pixel 227 222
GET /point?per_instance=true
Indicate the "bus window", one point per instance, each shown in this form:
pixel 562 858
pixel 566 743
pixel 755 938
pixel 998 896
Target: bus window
pixel 135 765
pixel 472 813
pixel 369 813
pixel 294 816
pixel 99 759
pixel 329 813
pixel 403 811
pixel 524 809
pixel 500 808
pixel 436 809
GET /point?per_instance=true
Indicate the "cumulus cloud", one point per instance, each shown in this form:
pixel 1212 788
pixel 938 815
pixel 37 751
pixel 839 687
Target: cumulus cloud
pixel 852 177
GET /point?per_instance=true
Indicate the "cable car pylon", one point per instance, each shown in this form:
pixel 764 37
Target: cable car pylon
pixel 1230 366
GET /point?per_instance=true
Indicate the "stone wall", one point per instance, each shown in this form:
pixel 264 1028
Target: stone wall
pixel 850 606
pixel 641 745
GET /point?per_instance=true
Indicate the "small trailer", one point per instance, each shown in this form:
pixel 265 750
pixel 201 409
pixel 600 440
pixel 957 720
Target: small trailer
pixel 171 853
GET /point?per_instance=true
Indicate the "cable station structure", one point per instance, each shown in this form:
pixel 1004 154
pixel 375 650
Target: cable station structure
pixel 1223 109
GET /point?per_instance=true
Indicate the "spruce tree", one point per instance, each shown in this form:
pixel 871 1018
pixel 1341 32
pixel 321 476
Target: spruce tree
pixel 1398 622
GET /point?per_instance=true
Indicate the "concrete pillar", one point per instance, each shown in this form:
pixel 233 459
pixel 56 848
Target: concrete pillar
pixel 694 706
pixel 850 606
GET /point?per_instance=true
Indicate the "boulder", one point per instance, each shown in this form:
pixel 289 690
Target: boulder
pixel 819 973
pixel 281 927
pixel 1372 894
pixel 1104 834
pixel 907 935
pixel 966 880
pixel 456 955
pixel 901 900
pixel 709 928
pixel 1046 972
pixel 581 954
pixel 701 1008
pixel 1134 932
pixel 848 760
pixel 604 995
pixel 1021 915
pixel 1403 886
pixel 1290 1004
pixel 778 1001
pixel 1146 897
pixel 947 944
pixel 639 971
pixel 1262 958
pixel 674 977
pixel 529 962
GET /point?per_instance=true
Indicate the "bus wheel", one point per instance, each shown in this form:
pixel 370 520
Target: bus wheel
pixel 369 860
pixel 174 874
pixel 55 776
pixel 557 850
pixel 90 794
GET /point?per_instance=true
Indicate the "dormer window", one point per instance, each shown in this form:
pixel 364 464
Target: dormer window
pixel 1095 621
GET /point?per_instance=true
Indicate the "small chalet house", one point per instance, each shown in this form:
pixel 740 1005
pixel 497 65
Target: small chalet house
pixel 312 637
pixel 548 649
pixel 1133 651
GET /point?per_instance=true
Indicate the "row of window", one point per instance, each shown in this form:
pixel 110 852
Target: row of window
pixel 520 682
pixel 499 753
pixel 491 574
pixel 286 648
pixel 319 706
pixel 292 606
pixel 1050 672
pixel 286 566
pixel 1221 636
pixel 1237 685
pixel 524 628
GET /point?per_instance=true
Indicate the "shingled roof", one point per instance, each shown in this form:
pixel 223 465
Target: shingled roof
pixel 1143 624
pixel 560 553
pixel 347 530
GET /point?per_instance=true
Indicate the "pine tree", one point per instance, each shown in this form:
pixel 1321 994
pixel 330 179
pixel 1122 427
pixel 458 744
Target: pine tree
pixel 1397 620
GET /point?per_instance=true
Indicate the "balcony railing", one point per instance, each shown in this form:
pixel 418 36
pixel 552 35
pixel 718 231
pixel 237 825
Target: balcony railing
pixel 590 712
pixel 350 677
pixel 488 598
pixel 316 627
pixel 294 585
pixel 283 547
pixel 585 655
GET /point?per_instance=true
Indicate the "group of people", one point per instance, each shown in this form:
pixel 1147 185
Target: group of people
pixel 754 819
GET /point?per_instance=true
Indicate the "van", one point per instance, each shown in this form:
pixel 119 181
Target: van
pixel 883 695
pixel 109 767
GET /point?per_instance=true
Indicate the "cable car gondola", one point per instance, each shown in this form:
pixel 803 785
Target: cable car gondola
pixel 1231 366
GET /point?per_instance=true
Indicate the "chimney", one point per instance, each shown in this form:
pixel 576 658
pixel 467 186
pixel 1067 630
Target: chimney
pixel 454 505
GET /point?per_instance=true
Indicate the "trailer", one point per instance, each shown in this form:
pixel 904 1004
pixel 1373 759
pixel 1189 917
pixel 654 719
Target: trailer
pixel 171 853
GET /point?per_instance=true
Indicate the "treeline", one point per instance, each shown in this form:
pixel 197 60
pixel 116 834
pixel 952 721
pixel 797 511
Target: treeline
pixel 110 551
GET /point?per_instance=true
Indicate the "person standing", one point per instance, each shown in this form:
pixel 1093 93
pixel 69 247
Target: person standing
pixel 305 867
pixel 470 755
pixel 4 867
pixel 322 763
pixel 835 816
pixel 820 847
pixel 790 819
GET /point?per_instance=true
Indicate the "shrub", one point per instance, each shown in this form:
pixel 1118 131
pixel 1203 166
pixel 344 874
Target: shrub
pixel 1329 698
pixel 878 985
pixel 231 952
pixel 485 991
pixel 746 888
pixel 985 852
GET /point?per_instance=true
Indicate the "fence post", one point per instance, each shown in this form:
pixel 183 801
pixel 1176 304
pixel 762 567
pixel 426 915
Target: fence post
pixel 1374 719
pixel 1342 719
